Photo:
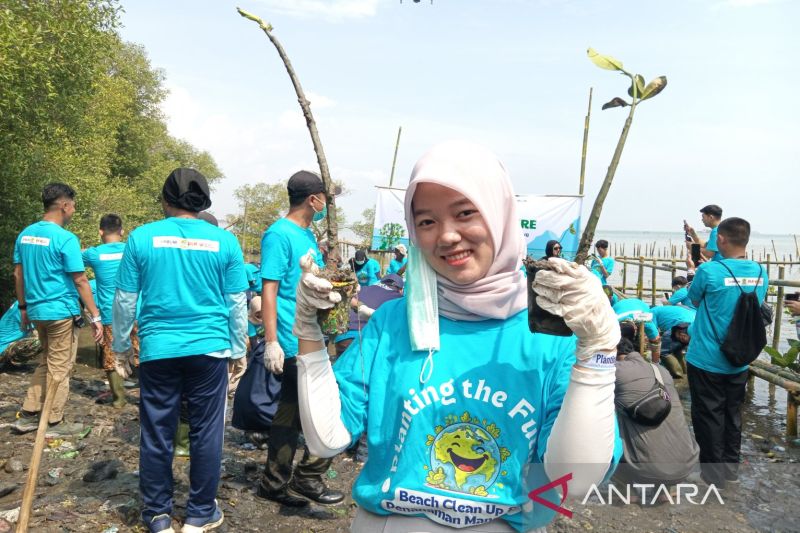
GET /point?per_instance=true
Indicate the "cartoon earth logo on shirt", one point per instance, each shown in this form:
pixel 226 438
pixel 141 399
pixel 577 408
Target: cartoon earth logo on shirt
pixel 465 456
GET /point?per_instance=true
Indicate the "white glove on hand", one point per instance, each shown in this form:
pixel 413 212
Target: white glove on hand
pixel 365 312
pixel 273 357
pixel 571 291
pixel 313 293
pixel 122 363
pixel 236 369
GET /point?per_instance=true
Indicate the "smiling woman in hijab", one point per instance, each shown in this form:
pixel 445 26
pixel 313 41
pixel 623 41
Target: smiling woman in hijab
pixel 465 410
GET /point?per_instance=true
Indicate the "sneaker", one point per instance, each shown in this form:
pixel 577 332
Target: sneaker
pixel 160 524
pixel 198 525
pixel 26 422
pixel 64 429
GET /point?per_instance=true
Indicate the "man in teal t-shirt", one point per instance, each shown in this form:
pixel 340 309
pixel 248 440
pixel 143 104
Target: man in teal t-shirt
pixel 398 264
pixel 602 264
pixel 680 293
pixel 253 273
pixel 283 244
pixel 368 271
pixel 49 276
pixel 193 330
pixel 104 260
pixel 717 387
pixel 710 215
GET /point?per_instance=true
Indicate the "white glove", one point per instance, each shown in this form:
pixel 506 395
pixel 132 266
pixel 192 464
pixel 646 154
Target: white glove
pixel 273 357
pixel 312 293
pixel 574 293
pixel 122 363
pixel 365 312
pixel 236 369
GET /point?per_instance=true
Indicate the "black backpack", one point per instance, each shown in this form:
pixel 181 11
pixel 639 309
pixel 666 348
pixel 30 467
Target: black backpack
pixel 747 333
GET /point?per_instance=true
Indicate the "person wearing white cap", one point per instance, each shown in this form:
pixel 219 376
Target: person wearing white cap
pixel 398 264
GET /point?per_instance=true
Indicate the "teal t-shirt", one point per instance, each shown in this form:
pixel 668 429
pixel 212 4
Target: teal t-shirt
pixel 282 246
pixel 253 273
pixel 715 287
pixel 395 265
pixel 9 327
pixel 370 273
pixel 49 254
pixel 681 297
pixel 711 245
pixel 608 263
pixel 105 260
pixel 628 308
pixel 183 268
pixel 456 448
pixel 666 317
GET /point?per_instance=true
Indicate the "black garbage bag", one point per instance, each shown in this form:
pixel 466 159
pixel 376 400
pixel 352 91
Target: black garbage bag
pixel 257 395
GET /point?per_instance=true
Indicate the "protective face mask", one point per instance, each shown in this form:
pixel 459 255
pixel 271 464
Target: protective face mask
pixel 319 215
pixel 422 308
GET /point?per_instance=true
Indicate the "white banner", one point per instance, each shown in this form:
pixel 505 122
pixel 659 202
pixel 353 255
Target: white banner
pixel 542 218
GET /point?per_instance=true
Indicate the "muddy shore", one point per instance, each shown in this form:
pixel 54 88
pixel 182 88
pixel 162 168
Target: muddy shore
pixel 765 500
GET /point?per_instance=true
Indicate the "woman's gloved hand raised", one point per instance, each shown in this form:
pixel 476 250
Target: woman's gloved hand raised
pixel 313 293
pixel 571 291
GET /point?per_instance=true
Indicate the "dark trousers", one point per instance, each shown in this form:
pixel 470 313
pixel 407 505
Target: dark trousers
pixel 283 436
pixel 203 383
pixel 717 419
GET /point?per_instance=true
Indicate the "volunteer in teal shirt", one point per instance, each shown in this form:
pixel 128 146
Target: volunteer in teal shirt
pixel 603 264
pixel 399 261
pixel 718 387
pixel 49 254
pixel 681 297
pixel 104 260
pixel 715 294
pixel 665 317
pixel 711 245
pixel 630 308
pixel 282 246
pixel 368 270
pixel 193 330
pixel 462 405
pixel 253 273
pixel 10 330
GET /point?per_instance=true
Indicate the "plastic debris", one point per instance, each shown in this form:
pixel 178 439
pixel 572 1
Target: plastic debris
pixel 55 473
pixel 112 529
pixel 69 455
pixel 85 432
pixel 332 474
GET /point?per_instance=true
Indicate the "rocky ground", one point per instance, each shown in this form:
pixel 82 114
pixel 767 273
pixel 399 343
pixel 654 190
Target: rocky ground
pixel 766 499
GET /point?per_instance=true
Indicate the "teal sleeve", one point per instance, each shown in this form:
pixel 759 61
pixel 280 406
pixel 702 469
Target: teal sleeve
pixel 650 330
pixel 71 255
pixel 128 273
pixel 235 276
pixel 711 245
pixel 274 256
pixel 678 296
pixel 697 288
pixel 17 258
pixel 237 323
pixel 123 314
pixel 609 264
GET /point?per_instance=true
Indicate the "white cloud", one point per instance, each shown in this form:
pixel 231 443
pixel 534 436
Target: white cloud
pixel 319 101
pixel 329 9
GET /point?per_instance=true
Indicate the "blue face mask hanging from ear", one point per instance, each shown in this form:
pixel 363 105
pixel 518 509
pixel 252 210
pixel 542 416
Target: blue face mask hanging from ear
pixel 319 215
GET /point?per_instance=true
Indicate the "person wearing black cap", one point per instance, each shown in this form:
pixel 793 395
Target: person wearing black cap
pixel 282 246
pixel 193 329
pixel 368 270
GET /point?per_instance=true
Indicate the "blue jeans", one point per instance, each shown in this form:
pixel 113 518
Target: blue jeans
pixel 203 382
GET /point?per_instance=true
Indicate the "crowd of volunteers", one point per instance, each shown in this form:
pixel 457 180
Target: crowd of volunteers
pixel 438 386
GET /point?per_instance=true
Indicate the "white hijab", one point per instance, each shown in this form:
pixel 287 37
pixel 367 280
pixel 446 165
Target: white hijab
pixel 476 173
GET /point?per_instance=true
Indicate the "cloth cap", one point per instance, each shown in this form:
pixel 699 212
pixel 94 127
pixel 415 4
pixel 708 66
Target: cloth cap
pixel 394 280
pixel 187 189
pixel 402 249
pixel 305 183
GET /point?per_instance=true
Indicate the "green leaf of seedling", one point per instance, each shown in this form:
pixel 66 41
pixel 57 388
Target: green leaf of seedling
pixel 639 82
pixel 654 87
pixel 616 102
pixel 603 61
pixel 794 343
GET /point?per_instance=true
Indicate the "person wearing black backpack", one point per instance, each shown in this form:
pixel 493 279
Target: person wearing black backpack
pixel 726 336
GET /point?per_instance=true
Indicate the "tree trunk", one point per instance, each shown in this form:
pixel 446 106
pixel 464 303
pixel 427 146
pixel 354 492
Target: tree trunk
pixel 333 226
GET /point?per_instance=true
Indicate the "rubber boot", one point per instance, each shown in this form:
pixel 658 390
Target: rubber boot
pixel 672 364
pixel 182 440
pixel 117 389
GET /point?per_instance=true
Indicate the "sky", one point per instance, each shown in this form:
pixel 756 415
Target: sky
pixel 510 74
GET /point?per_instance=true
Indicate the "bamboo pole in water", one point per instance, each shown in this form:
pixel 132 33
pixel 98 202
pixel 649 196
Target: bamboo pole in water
pixel 640 280
pixel 653 285
pixel 624 276
pixel 776 333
